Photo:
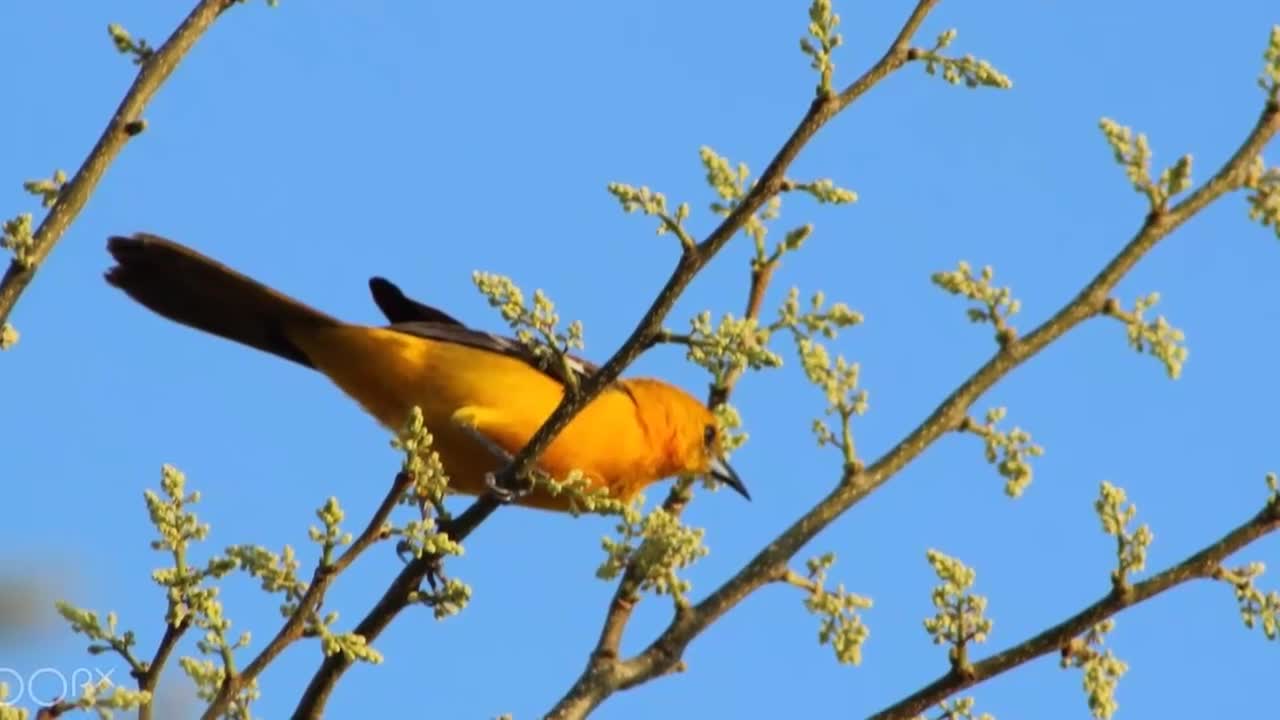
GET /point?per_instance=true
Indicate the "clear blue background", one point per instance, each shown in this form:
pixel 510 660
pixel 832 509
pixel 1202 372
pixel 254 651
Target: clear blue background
pixel 319 143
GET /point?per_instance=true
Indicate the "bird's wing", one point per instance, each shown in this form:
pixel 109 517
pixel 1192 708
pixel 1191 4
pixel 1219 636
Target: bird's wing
pixel 414 318
pixel 463 335
pixel 400 308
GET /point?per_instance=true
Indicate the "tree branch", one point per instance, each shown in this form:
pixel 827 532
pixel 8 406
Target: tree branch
pixel 693 259
pixel 1201 565
pixel 397 597
pixel 604 675
pixel 72 197
pixel 597 681
pixel 324 575
pixel 148 680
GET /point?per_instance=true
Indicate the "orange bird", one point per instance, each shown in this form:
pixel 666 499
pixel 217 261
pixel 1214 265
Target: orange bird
pixel 482 396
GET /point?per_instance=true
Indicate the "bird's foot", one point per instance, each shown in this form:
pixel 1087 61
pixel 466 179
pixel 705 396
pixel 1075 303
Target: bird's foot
pixel 435 573
pixel 494 448
pixel 504 495
pixel 435 576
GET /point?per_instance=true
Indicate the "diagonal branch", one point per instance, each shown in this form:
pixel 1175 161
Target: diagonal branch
pixel 399 595
pixel 1201 565
pixel 604 676
pixel 295 627
pixel 123 125
pixel 695 258
pixel 596 681
pixel 148 680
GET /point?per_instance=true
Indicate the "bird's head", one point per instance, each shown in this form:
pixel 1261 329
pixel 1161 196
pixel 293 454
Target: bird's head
pixel 711 458
pixel 695 445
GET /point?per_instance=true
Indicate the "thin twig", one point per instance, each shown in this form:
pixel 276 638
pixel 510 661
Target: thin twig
pixel 75 194
pixel 147 681
pixel 1198 566
pixel 56 710
pixel 398 596
pixel 147 678
pixel 321 579
pixel 761 275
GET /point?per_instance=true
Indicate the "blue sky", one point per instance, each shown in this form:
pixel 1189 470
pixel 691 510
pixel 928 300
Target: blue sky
pixel 317 144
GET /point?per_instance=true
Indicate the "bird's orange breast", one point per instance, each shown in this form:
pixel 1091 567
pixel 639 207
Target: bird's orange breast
pixel 388 373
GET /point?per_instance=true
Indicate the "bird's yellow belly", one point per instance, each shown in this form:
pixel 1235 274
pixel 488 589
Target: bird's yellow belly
pixel 389 373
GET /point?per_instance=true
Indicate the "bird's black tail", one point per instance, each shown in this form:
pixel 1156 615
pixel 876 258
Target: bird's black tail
pixel 187 287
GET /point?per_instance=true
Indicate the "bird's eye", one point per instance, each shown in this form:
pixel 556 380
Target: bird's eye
pixel 709 435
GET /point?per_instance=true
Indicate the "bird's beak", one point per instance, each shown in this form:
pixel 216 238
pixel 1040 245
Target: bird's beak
pixel 721 471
